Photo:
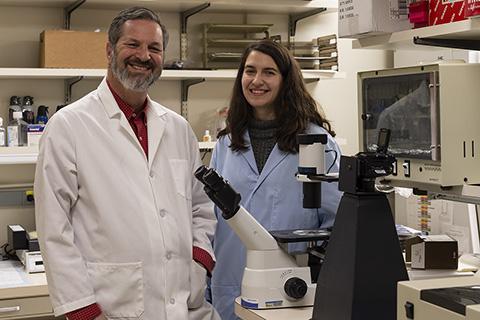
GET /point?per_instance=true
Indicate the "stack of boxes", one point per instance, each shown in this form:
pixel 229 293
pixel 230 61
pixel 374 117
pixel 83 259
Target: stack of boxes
pixel 361 18
pixel 320 53
pixel 327 50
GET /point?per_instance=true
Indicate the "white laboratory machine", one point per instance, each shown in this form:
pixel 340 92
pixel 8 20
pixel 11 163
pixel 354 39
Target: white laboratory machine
pixel 432 112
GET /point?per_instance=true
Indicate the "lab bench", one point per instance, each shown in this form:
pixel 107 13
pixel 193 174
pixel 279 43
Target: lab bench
pixel 305 313
pixel 23 295
pixel 301 313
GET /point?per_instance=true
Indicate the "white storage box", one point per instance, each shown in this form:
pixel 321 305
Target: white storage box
pixel 360 18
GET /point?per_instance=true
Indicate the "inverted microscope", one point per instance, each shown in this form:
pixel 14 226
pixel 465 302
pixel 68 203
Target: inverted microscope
pixel 363 259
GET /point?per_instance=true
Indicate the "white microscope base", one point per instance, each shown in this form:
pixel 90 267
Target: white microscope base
pixel 263 289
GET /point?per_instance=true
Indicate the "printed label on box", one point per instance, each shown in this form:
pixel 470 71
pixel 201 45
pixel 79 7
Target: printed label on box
pixel 398 9
pixel 34 133
pixel 446 11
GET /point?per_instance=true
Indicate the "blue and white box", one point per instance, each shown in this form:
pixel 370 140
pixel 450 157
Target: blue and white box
pixel 34 133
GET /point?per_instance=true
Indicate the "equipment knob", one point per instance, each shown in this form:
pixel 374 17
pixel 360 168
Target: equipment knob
pixel 295 288
pixel 366 116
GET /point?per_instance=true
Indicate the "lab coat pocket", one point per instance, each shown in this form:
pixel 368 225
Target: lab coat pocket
pixel 198 285
pixel 182 177
pixel 118 288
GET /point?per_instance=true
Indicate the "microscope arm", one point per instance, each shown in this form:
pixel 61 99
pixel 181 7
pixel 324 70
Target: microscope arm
pixel 252 234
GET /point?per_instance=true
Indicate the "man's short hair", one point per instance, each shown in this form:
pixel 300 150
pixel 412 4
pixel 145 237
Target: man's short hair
pixel 134 13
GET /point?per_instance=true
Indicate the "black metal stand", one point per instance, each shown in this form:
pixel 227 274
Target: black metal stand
pixel 363 262
pixel 467 44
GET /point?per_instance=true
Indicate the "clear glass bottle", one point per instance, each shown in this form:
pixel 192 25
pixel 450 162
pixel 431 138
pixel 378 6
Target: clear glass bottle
pixel 15 105
pixel 2 134
pixel 28 115
pixel 17 131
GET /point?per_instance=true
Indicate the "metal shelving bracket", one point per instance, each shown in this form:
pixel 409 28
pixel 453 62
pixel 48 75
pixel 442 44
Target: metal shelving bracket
pixel 294 18
pixel 184 15
pixel 186 84
pixel 448 43
pixel 310 80
pixel 67 12
pixel 68 84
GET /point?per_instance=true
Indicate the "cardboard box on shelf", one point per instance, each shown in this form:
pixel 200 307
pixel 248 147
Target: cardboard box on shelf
pixel 445 11
pixel 73 49
pixel 361 18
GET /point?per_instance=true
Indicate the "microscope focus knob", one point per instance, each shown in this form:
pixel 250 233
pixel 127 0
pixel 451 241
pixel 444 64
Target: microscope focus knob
pixel 295 288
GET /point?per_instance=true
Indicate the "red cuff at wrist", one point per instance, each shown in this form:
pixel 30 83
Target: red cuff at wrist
pixel 86 313
pixel 204 258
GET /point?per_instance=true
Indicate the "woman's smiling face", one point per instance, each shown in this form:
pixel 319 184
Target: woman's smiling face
pixel 261 83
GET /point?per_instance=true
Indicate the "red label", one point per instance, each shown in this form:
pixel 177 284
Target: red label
pixel 445 11
pixel 472 8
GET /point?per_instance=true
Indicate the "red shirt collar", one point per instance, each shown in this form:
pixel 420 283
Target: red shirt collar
pixel 127 110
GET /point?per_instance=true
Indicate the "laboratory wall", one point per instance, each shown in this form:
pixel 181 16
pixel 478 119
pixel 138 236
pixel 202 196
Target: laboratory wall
pixel 21 49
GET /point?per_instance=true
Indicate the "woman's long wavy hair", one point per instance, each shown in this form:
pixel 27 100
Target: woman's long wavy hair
pixel 294 107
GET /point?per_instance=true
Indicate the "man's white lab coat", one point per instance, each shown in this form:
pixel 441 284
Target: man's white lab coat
pixel 114 227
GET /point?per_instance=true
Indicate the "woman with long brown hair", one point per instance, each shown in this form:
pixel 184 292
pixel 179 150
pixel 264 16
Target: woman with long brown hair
pixel 257 153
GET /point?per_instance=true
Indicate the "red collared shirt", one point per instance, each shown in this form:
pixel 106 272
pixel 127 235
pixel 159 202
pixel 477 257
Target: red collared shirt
pixel 137 119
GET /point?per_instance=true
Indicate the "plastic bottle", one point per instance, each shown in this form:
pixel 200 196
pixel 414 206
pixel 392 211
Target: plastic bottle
pixel 14 106
pixel 2 134
pixel 207 137
pixel 17 131
pixel 42 115
pixel 28 115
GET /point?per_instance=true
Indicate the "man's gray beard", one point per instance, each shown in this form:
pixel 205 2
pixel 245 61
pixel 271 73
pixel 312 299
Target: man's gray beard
pixel 132 83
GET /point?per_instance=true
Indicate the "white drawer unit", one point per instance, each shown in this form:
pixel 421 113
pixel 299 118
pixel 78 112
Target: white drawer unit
pixel 26 308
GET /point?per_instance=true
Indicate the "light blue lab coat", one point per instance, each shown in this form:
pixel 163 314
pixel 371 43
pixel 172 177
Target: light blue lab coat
pixel 273 197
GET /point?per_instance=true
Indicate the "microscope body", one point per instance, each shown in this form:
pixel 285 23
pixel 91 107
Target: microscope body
pixel 272 278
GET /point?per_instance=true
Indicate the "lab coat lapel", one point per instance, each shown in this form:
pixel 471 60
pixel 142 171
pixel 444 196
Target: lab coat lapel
pixel 248 153
pixel 156 124
pixel 115 114
pixel 274 159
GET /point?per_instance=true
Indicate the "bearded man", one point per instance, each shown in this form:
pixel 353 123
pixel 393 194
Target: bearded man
pixel 125 230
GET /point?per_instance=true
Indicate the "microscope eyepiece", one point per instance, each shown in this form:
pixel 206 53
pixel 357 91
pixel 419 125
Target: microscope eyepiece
pixel 200 172
pixel 219 191
pixel 213 180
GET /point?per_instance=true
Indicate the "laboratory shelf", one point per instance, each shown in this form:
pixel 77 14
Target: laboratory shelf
pixel 50 73
pixel 323 74
pixel 206 145
pixel 248 6
pixel 18 155
pixel 220 74
pixel 28 155
pixel 230 42
pixel 465 30
pixel 300 58
pixel 237 28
